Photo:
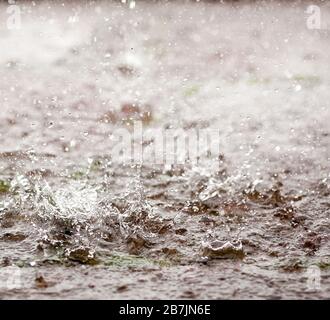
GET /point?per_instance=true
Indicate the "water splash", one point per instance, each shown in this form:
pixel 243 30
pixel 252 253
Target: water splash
pixel 77 214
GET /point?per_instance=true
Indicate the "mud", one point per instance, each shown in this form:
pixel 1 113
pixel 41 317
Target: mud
pixel 75 224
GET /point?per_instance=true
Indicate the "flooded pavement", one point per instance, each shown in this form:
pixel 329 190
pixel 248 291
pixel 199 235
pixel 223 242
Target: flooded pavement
pixel 75 223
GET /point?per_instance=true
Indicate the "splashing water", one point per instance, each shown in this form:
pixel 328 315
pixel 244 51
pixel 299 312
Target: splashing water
pixel 75 200
pixel 83 211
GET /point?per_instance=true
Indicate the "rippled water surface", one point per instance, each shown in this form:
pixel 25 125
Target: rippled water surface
pixel 76 224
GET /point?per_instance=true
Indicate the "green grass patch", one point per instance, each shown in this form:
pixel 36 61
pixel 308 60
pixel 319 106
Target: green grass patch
pixel 118 260
pixel 190 91
pixel 307 80
pixel 4 186
pixel 324 265
pixel 253 81
pixel 78 175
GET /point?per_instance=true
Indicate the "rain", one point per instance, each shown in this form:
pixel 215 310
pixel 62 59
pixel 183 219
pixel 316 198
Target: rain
pixel 164 149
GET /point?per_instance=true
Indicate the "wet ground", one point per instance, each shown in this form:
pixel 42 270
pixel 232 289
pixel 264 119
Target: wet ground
pixel 76 224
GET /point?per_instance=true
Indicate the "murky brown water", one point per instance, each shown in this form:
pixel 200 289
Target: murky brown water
pixel 73 224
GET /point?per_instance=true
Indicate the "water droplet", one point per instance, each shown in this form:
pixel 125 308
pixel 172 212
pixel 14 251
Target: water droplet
pixel 132 4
